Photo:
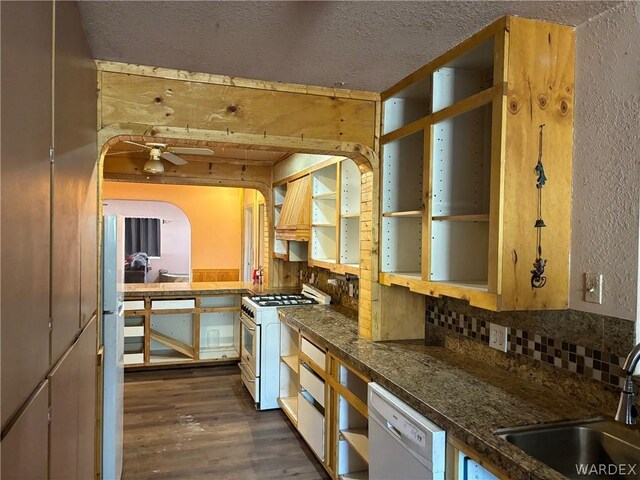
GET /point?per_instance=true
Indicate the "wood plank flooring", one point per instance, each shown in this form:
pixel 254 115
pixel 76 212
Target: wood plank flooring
pixel 200 423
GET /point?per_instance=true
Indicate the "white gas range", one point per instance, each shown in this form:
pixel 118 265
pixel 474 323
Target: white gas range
pixel 260 349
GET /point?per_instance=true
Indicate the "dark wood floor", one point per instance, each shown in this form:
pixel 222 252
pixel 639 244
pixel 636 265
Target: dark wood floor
pixel 200 423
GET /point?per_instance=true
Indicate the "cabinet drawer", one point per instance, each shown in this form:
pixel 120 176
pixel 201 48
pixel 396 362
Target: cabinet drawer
pixel 134 305
pixel 133 358
pixel 173 304
pixel 312 383
pixel 314 353
pixel 311 425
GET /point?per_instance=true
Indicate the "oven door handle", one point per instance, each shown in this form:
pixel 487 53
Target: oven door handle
pixel 248 325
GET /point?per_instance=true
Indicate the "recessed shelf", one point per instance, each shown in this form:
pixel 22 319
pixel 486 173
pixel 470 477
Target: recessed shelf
pixel 291 361
pixel 350 215
pixel 481 217
pixel 358 438
pixel 407 214
pixel 290 408
pixel 324 225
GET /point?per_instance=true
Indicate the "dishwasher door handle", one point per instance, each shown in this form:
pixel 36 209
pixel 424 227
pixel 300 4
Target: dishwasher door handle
pixel 393 430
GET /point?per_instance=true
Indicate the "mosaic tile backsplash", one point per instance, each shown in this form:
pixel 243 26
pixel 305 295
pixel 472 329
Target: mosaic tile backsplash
pixel 593 363
pixel 339 292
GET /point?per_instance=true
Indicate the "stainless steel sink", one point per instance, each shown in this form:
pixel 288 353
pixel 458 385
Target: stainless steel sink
pixel 570 447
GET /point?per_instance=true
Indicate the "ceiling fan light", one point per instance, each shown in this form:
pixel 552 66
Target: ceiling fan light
pixel 153 166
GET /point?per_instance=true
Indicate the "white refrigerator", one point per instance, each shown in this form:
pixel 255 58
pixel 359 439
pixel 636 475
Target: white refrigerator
pixel 113 342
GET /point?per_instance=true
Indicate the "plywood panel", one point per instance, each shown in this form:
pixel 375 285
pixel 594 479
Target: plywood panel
pixel 26 101
pixel 75 146
pixel 24 449
pixel 216 274
pixel 87 371
pixel 540 91
pixel 160 101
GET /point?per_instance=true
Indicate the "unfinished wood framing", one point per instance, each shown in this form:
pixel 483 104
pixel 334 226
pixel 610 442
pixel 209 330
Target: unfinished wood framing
pixel 145 104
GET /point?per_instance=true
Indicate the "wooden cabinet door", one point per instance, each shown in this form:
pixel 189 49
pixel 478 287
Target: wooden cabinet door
pixel 26 136
pixel 24 448
pixel 73 409
pixel 73 180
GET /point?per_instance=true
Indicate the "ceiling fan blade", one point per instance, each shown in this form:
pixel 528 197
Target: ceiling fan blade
pixel 138 144
pixel 191 151
pixel 173 158
pixel 125 152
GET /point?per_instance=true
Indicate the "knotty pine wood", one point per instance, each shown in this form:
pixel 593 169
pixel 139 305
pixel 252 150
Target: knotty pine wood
pixel 216 275
pixel 201 423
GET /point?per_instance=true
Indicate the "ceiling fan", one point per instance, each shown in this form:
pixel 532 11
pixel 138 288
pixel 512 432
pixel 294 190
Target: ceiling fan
pixel 158 151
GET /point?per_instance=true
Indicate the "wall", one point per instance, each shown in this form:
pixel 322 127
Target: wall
pixel 606 176
pixel 175 232
pixel 213 212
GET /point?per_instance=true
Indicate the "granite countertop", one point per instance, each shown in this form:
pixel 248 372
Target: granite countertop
pixel 467 399
pixel 200 288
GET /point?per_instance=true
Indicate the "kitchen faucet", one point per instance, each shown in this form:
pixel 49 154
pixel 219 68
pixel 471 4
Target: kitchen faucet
pixel 627 412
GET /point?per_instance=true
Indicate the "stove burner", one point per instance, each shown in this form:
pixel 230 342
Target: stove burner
pixel 282 300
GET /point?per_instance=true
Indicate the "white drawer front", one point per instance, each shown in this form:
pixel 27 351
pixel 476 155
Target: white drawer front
pixel 314 353
pixel 312 384
pixel 134 331
pixel 133 358
pixel 172 304
pixel 134 304
pixel 311 425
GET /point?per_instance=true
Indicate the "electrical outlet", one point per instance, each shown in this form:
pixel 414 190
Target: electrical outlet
pixel 593 287
pixel 351 290
pixel 333 281
pixel 498 337
pixel 312 278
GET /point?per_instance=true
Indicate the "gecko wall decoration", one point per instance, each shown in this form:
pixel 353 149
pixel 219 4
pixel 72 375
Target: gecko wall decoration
pixel 538 279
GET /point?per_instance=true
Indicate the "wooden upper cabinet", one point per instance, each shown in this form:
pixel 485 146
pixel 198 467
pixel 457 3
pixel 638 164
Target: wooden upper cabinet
pixel 294 219
pixel 462 137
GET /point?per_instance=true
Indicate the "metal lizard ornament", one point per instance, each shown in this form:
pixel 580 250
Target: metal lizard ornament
pixel 538 279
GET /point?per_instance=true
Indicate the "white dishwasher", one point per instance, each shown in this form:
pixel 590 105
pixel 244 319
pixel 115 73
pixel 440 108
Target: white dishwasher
pixel 403 445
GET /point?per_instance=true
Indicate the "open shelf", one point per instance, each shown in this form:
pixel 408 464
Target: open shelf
pixel 464 76
pixel 326 195
pixel 225 352
pixel 323 243
pixel 290 408
pixel 332 225
pixel 325 181
pixel 481 217
pixel 408 214
pixel 291 361
pixel 350 215
pixel 350 184
pixel 323 211
pixel 480 285
pixel 401 244
pixel 402 168
pixel 167 356
pixel 358 439
pixel 172 343
pixel 350 240
pixel 408 105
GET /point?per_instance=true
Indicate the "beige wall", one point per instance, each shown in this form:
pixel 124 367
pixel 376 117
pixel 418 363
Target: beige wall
pixel 606 176
pixel 214 214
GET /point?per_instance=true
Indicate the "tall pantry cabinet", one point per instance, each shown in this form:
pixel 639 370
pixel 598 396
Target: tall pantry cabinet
pixel 49 238
pixel 476 170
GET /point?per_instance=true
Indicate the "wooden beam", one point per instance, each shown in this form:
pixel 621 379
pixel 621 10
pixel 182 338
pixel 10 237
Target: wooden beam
pixel 197 77
pixel 172 343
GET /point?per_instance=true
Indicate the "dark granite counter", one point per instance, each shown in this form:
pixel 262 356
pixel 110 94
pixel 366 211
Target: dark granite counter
pixel 133 290
pixel 469 400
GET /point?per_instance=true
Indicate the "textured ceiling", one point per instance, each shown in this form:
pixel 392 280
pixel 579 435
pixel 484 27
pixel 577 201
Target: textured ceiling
pixel 366 45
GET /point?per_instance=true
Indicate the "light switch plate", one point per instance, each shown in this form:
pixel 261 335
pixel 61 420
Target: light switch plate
pixel 498 337
pixel 593 287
